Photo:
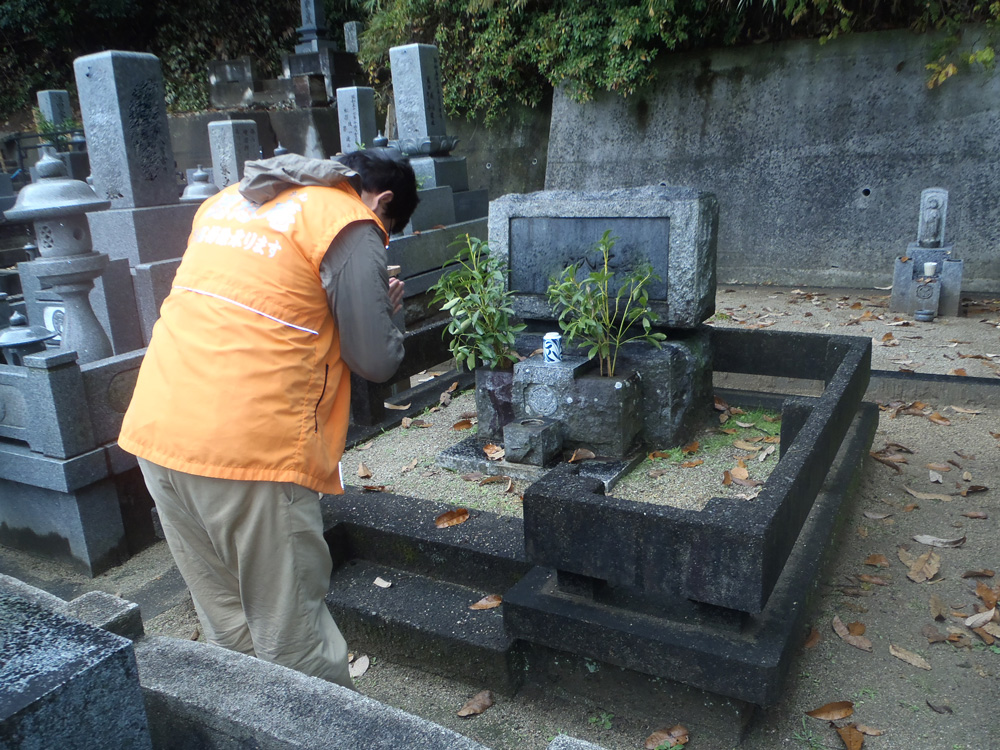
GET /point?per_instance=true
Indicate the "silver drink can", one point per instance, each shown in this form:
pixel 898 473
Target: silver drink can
pixel 552 347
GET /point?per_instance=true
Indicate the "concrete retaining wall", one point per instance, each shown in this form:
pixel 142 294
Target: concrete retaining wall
pixel 817 154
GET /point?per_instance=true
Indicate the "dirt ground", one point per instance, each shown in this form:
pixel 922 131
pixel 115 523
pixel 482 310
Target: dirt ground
pixel 923 680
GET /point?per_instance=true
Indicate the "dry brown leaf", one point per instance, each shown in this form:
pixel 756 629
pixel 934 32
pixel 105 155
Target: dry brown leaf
pixel 397 407
pixel 691 464
pixel 932 634
pixel 905 556
pixel 739 472
pixel 910 507
pixel 877 561
pixel 980 618
pixel 658 454
pixel 773 439
pixel 851 737
pixel 940 708
pixel 909 657
pixel 987 595
pixel 874 580
pixel 938 467
pixel 982 573
pixel 474 476
pixel 359 666
pixel 373 488
pixel 667 737
pixel 872 516
pixel 728 430
pixel 656 473
pixel 959 371
pixel 992 628
pixel 962 410
pixel 363 471
pixel 364 447
pixel 856 628
pixel 491 601
pixel 493 452
pixel 933 541
pixel 976 514
pixel 690 447
pixel 985 635
pixel 452 388
pixel 406 422
pixel 938 418
pixel 858 641
pixel 870 731
pixel 420 423
pixel 939 610
pixel 727 478
pixel 832 711
pixel 925 567
pixel 928 495
pixel 745 445
pixel 445 399
pixel 462 424
pixel 813 638
pixel 581 454
pixel 476 704
pixel 452 518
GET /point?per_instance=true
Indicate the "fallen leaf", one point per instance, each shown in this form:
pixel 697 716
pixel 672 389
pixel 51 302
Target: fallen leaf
pixel 745 445
pixel 691 464
pixel 364 447
pixel 667 737
pixel 940 708
pixel 658 454
pixel 382 583
pixel 934 477
pixel 493 452
pixel 856 628
pixel 877 561
pixel 363 471
pixel 933 541
pixel 690 447
pixel 462 424
pixel 909 657
pixel 858 641
pixel 851 737
pixel 720 404
pixel 938 418
pixel 727 478
pixel 445 399
pixel 452 518
pixel 870 731
pixel 874 580
pixel 813 638
pixel 490 601
pixel 984 573
pixel 359 666
pixel 397 407
pixel 739 472
pixel 451 388
pixel 494 480
pixel 406 422
pixel 476 704
pixel 871 515
pixel 972 489
pixel 762 456
pixel 475 476
pixel 744 424
pixel 657 473
pixel 966 456
pixel 832 711
pixel 939 467
pixel 728 430
pixel 960 410
pixel 980 618
pixel 373 488
pixel 932 634
pixel 925 567
pixel 928 495
pixel 905 556
pixel 581 454
pixel 910 507
pixel 410 466
pixel 939 610
pixel 988 639
pixel 420 423
pixel 959 371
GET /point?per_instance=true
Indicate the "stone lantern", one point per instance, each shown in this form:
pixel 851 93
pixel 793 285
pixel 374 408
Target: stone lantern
pixel 58 207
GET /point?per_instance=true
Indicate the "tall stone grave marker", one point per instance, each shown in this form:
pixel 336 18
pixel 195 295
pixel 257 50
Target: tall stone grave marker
pixel 233 143
pixel 352 36
pixel 356 114
pixel 125 119
pixel 422 135
pixel 54 106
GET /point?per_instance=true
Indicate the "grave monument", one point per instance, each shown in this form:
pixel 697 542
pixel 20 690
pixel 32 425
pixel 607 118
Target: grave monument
pixel 927 281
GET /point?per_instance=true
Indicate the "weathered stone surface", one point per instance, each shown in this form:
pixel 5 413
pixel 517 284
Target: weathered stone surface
pixel 438 171
pixel 54 106
pixel 435 210
pixel 356 115
pixel 494 405
pixel 535 441
pixel 233 143
pixel 672 228
pixel 144 235
pixel 66 684
pixel 416 84
pixel 125 120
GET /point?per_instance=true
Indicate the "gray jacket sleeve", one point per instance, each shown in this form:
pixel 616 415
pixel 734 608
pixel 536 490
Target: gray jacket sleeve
pixel 354 275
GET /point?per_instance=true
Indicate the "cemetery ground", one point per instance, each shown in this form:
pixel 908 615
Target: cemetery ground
pixel 889 644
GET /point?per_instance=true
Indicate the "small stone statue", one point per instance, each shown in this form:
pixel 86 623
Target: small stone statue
pixel 933 209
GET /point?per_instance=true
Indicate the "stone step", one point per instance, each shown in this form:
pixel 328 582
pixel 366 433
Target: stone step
pixel 423 622
pixel 486 552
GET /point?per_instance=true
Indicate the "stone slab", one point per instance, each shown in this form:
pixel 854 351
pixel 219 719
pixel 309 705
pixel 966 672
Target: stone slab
pixel 125 120
pixel 356 116
pixel 233 143
pixel 143 235
pixel 54 105
pixel 20 464
pixel 435 210
pixel 673 228
pixel 153 282
pixel 438 171
pixel 416 85
pixel 108 384
pixel 746 659
pixel 82 527
pixel 114 303
pixel 471 204
pixel 66 684
pixel 202 696
pixel 430 250
pixel 107 612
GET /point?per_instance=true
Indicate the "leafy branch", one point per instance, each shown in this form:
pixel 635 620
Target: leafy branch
pixel 605 320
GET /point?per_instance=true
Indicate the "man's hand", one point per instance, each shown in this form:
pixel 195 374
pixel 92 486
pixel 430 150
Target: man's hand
pixel 396 288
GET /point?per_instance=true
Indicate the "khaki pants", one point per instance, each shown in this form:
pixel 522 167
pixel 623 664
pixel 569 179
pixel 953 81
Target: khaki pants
pixel 254 558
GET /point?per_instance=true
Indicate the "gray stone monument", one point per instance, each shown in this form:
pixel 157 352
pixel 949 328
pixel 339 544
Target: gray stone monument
pixel 125 118
pixel 422 135
pixel 352 36
pixel 356 114
pixel 67 685
pixel 233 144
pixel 313 32
pixel 927 281
pixel 54 106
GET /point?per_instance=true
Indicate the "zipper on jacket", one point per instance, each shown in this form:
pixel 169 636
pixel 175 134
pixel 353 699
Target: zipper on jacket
pixel 326 375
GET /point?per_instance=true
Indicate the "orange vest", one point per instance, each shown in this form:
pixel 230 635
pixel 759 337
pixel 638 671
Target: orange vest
pixel 243 377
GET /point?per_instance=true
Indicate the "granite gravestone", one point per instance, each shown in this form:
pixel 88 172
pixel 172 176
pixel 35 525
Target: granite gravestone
pixel 54 106
pixel 233 144
pixel 356 114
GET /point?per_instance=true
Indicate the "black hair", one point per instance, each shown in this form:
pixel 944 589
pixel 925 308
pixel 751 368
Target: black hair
pixel 384 169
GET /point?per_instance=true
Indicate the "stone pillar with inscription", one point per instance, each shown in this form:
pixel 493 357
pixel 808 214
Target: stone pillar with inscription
pixel 927 281
pixel 132 164
pixel 356 115
pixel 233 144
pixel 445 197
